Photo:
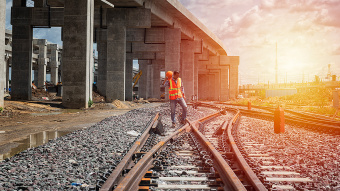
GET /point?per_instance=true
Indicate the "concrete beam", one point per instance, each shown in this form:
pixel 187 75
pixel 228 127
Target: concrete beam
pixel 38 16
pixel 3 64
pixel 204 56
pixel 174 14
pixel 141 47
pixel 135 34
pixel 144 55
pixel 77 53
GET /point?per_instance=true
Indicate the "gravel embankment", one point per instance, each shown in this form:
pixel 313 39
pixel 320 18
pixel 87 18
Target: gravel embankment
pixel 312 154
pixel 77 160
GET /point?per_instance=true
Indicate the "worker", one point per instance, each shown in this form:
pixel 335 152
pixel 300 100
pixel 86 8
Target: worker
pixel 176 95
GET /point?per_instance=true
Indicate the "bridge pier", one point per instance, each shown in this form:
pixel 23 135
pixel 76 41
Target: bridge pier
pixel 128 77
pixel 102 61
pixel 77 53
pixel 188 62
pixel 172 52
pixel 7 62
pixel 143 80
pixel 42 62
pixel 22 33
pixel 2 50
pixel 54 63
pixel 156 78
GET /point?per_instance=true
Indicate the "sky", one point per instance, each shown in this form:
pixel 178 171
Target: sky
pixel 306 33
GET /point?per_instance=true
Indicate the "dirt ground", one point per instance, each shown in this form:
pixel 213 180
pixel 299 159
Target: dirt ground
pixel 20 119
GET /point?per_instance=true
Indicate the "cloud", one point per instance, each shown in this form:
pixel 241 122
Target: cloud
pixel 336 50
pixel 53 35
pixel 8 14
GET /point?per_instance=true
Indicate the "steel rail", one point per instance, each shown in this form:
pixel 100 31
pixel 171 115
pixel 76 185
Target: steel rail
pixel 132 179
pixel 229 178
pixel 294 120
pixel 309 121
pixel 254 180
pixel 117 173
pixel 302 115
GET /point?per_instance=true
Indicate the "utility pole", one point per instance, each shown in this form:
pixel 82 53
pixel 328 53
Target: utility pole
pixel 276 67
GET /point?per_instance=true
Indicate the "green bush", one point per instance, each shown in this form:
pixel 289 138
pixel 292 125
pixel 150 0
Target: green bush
pixel 1 109
pixel 90 103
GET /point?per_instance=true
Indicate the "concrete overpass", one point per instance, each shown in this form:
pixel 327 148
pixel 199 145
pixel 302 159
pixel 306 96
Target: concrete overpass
pixel 161 34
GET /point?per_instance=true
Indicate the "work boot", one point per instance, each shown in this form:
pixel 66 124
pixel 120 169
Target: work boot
pixel 183 121
pixel 173 125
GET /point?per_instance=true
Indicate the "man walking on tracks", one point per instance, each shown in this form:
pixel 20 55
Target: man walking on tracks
pixel 176 95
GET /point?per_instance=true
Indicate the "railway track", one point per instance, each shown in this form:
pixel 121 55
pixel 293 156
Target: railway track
pixel 184 160
pixel 309 121
pixel 205 155
pixel 263 159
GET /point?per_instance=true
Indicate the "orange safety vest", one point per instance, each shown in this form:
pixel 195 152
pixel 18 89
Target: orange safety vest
pixel 175 89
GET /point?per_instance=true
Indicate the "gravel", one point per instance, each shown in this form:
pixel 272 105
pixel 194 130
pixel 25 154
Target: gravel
pixel 78 160
pixel 312 154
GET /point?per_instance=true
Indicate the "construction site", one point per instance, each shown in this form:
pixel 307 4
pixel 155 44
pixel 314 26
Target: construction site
pixel 98 112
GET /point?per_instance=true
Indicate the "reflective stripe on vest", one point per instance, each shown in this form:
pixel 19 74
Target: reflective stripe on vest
pixel 175 89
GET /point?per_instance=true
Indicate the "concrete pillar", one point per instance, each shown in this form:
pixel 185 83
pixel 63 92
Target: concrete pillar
pixel 128 77
pixel 22 35
pixel 188 69
pixel 149 87
pixel 42 62
pixel 233 74
pixel 7 74
pixel 77 53
pixel 196 64
pixel 143 80
pixel 211 87
pixel 102 61
pixel 36 74
pixel 172 52
pixel 2 49
pixel 156 78
pixel 203 86
pixel 116 58
pixel 54 63
pixel 225 85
